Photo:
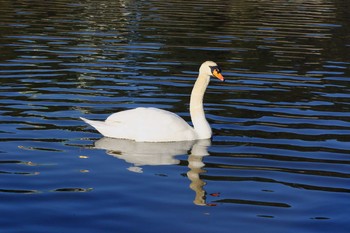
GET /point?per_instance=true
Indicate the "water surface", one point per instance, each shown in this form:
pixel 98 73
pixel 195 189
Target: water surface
pixel 279 157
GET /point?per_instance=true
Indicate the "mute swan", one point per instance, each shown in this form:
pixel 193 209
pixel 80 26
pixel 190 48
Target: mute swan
pixel 157 125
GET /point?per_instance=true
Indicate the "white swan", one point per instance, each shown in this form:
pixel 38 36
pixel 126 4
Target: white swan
pixel 157 125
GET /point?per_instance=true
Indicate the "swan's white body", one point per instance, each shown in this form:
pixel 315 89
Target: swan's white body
pixel 145 125
pixel 157 125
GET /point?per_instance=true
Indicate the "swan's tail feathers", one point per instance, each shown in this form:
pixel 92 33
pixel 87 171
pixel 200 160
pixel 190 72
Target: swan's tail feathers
pixel 92 123
pixel 85 120
pixel 100 126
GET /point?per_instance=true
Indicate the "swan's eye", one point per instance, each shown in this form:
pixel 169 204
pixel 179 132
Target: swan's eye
pixel 216 72
pixel 215 69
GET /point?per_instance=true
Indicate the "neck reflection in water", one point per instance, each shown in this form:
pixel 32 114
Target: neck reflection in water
pixel 148 153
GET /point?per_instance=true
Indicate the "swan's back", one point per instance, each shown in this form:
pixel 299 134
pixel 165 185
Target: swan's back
pixel 145 124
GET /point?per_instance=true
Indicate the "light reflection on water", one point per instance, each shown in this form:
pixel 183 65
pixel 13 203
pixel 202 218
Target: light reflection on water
pixel 279 158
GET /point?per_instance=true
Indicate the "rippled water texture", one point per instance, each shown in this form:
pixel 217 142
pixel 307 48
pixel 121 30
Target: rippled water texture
pixel 279 159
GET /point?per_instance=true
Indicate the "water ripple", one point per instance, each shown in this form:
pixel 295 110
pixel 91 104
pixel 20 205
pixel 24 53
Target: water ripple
pixel 281 120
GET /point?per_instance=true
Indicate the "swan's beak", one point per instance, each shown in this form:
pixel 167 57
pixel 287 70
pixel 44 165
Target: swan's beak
pixel 217 74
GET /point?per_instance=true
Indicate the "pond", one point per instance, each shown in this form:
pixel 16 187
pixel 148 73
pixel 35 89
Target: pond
pixel 279 158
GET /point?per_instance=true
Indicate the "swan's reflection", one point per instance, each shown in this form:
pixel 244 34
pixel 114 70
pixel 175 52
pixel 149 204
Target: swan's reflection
pixel 146 153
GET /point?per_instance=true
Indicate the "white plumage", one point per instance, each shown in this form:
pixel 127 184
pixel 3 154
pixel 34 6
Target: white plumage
pixel 145 124
pixel 157 125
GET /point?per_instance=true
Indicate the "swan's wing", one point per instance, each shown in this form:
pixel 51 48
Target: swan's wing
pixel 152 124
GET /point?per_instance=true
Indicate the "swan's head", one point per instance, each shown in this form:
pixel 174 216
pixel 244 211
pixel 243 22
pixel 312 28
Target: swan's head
pixel 210 68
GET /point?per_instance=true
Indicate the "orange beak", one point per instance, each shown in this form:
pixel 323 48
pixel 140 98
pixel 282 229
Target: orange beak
pixel 218 75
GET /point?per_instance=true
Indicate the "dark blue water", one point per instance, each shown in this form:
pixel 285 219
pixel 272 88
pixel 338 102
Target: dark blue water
pixel 279 159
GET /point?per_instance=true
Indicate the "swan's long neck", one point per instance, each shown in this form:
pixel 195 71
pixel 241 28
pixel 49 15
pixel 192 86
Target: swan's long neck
pixel 200 124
